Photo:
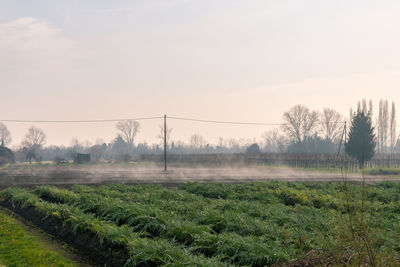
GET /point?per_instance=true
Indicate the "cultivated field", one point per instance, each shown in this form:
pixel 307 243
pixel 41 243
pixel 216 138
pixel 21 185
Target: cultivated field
pixel 217 224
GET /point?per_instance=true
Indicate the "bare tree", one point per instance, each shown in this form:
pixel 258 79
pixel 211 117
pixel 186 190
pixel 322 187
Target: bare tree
pixel 5 135
pixel 96 152
pixel 385 133
pixel 331 125
pixel 300 123
pixel 33 141
pixel 220 142
pixel 128 129
pixel 161 134
pixel 371 108
pixel 379 130
pixel 232 142
pixel 76 147
pixel 34 137
pixel 273 141
pixel 393 134
pixel 383 125
pixel 362 105
pixel 197 141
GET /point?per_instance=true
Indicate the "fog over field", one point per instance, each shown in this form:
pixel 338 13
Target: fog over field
pixel 153 174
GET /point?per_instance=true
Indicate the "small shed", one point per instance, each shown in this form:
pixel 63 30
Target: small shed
pixel 81 158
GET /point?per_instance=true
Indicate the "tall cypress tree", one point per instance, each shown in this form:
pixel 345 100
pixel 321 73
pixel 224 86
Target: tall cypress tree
pixel 361 143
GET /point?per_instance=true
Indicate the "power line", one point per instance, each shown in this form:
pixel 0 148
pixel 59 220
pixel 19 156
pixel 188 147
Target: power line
pixel 153 118
pixel 224 122
pixel 233 122
pixel 241 123
pixel 81 121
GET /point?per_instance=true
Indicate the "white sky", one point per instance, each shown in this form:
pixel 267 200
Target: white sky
pixel 220 60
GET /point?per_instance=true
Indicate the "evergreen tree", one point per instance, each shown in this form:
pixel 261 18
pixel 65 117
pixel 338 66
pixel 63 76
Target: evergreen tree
pixel 361 143
pixel 253 149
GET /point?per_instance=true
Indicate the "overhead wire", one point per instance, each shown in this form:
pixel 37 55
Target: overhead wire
pixel 80 121
pixel 232 122
pixel 152 118
pixel 223 122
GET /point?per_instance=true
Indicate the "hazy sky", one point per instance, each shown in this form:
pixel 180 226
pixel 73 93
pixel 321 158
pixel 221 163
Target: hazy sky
pixel 218 59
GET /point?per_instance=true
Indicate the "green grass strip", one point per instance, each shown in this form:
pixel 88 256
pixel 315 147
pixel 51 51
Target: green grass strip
pixel 19 248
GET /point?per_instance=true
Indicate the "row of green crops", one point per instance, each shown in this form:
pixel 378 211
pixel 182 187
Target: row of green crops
pixel 143 251
pixel 198 235
pixel 377 206
pixel 285 193
pixel 258 214
pixel 251 224
pixel 206 225
pixel 269 191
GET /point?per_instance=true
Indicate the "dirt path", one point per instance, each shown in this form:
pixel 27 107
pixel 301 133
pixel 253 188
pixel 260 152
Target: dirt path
pixel 92 174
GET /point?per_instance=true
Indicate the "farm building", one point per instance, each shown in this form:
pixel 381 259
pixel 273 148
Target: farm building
pixel 81 158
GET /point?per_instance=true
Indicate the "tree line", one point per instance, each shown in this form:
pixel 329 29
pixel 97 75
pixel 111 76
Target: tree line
pixel 306 130
pixel 303 131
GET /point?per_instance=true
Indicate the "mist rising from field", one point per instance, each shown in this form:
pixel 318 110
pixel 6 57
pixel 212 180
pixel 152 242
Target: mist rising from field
pixel 153 173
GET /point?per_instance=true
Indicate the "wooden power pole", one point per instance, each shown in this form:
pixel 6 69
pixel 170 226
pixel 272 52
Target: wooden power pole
pixel 341 138
pixel 165 143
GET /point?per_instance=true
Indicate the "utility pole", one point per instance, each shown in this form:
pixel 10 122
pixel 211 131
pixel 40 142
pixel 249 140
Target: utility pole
pixel 345 141
pixel 341 139
pixel 165 142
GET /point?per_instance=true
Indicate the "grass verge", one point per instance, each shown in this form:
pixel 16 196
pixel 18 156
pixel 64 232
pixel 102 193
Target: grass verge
pixel 19 248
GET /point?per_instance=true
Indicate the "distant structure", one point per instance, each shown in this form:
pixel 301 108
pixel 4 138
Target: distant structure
pixel 81 158
pixel 6 155
pixel 253 149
